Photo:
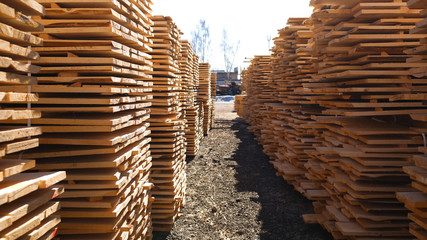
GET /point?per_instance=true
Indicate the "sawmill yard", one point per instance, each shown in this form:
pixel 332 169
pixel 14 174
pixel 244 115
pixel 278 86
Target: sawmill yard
pixel 110 129
pixel 233 192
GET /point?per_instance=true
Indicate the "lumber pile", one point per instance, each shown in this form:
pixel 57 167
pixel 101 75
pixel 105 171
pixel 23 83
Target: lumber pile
pixel 339 89
pixel 189 67
pixel 416 201
pixel 94 96
pixel 212 101
pixel 256 84
pixel 26 209
pixel 213 84
pixel 204 95
pixel 291 68
pixel 361 76
pixel 239 105
pixel 167 126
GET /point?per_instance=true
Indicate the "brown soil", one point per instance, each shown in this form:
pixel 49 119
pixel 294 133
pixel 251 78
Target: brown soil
pixel 233 192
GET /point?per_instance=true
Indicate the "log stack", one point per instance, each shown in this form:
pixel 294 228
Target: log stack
pixel 416 201
pixel 204 95
pixel 94 95
pixel 26 209
pixel 343 100
pixel 167 126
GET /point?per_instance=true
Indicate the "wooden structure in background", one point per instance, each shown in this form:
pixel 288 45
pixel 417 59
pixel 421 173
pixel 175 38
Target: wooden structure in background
pixel 26 209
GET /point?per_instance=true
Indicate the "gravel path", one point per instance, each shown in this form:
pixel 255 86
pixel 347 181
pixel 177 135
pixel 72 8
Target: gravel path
pixel 233 192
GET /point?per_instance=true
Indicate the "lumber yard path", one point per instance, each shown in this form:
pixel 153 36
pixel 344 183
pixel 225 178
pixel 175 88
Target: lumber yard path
pixel 233 192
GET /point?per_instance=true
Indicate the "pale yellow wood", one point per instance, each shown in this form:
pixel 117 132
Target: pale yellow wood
pixel 19 37
pixel 10 133
pixel 29 222
pixel 45 226
pixel 19 114
pixel 17 209
pixel 29 7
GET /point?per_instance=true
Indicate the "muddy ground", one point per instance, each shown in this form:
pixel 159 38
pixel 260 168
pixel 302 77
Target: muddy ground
pixel 233 192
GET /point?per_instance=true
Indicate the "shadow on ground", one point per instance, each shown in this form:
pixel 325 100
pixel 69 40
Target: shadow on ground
pixel 281 206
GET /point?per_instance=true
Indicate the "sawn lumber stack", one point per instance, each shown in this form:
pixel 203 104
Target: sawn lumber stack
pixel 416 201
pixel 26 209
pixel 204 95
pixel 167 126
pixel 93 87
pixel 94 94
pixel 189 72
pixel 346 90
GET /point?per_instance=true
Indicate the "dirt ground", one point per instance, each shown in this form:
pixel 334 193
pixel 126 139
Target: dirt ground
pixel 233 192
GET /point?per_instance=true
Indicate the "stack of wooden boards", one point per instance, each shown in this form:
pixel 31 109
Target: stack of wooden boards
pixel 167 126
pixel 416 201
pixel 204 95
pixel 189 68
pixel 94 95
pixel 26 209
pixel 214 76
pixel 346 90
pixel 256 83
pixel 213 98
pixel 239 105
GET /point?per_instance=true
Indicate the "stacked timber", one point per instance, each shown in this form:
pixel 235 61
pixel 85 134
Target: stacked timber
pixel 258 90
pixel 416 201
pixel 213 84
pixel 239 105
pixel 204 95
pixel 188 65
pixel 194 130
pixel 212 101
pixel 213 97
pixel 368 139
pixel 199 116
pixel 26 209
pixel 291 68
pixel 94 97
pixel 167 126
pixel 349 103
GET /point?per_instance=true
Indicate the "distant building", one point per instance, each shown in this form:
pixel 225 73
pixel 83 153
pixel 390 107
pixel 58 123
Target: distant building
pixel 228 83
pixel 222 76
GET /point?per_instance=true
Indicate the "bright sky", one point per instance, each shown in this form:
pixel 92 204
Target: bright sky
pixel 249 21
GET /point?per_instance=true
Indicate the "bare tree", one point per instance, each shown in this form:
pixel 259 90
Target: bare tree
pixel 269 42
pixel 201 40
pixel 229 50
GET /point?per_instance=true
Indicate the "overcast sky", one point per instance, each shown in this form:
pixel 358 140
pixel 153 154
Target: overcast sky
pixel 249 21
